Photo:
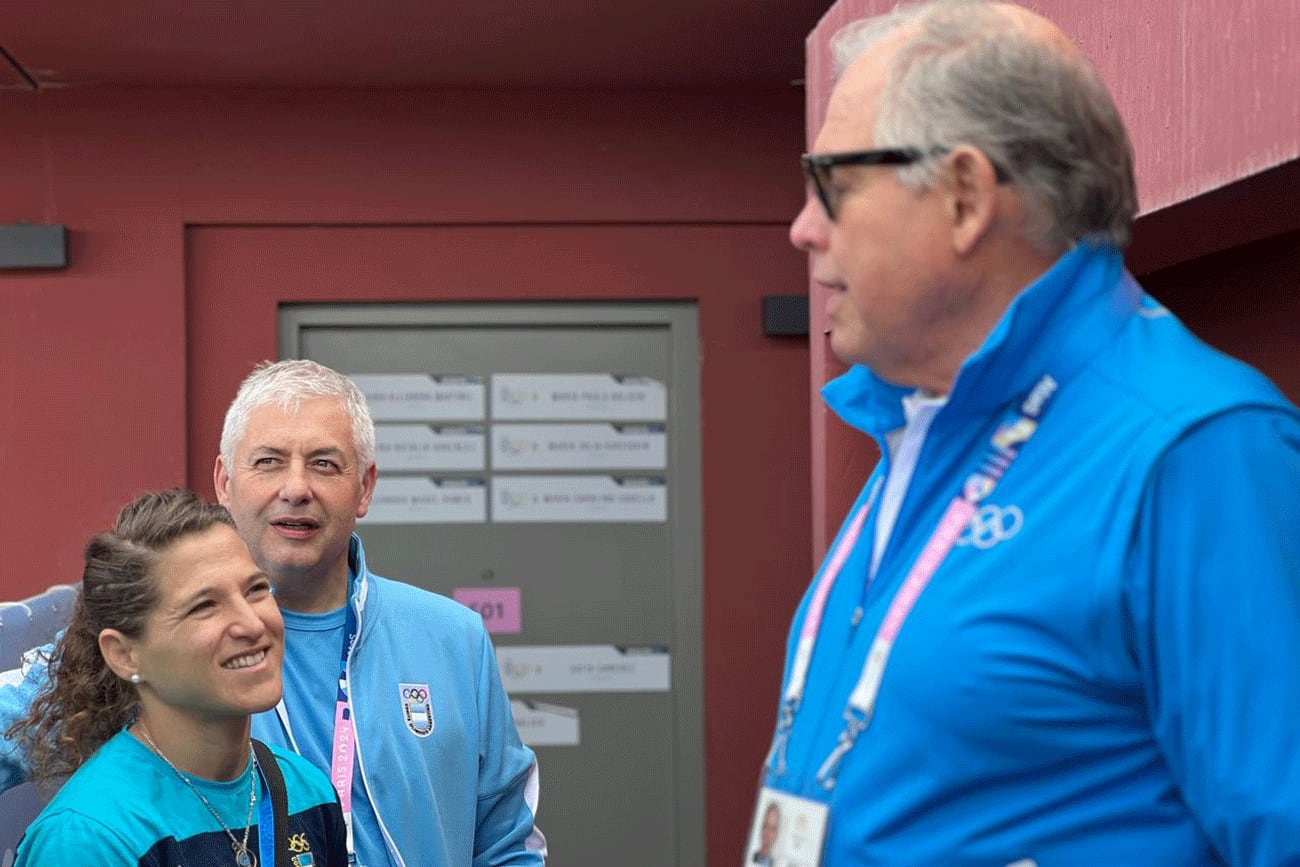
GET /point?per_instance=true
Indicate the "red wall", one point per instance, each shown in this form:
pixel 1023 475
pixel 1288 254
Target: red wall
pixel 1244 301
pixel 1208 92
pixel 193 214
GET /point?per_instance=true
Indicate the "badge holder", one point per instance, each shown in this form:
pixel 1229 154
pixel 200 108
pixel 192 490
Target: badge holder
pixel 787 831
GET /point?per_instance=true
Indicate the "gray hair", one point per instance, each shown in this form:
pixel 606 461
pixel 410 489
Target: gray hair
pixel 972 74
pixel 289 384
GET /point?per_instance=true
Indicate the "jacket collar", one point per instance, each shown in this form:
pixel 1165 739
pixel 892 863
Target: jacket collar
pixel 1053 326
pixel 358 579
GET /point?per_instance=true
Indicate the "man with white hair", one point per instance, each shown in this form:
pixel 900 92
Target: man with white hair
pixel 1061 623
pixel 392 690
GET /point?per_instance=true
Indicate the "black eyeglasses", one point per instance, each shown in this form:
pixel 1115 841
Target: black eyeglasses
pixel 817 168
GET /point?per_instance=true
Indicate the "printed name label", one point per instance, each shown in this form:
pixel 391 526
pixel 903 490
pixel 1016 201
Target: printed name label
pixel 423 500
pixel 422 396
pixel 577 397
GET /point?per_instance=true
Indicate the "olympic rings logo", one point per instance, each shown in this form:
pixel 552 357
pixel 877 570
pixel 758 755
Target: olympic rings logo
pixel 991 525
pixel 416 693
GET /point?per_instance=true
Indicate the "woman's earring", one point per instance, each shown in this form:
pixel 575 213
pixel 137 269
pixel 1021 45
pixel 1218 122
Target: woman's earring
pixel 135 678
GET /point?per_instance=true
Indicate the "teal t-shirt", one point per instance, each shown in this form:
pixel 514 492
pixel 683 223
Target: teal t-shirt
pixel 125 806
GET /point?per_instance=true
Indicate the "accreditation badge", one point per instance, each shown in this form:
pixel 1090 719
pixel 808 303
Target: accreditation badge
pixel 787 831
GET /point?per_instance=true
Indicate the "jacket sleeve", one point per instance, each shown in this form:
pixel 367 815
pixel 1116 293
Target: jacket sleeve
pixel 18 689
pixel 1214 600
pixel 505 832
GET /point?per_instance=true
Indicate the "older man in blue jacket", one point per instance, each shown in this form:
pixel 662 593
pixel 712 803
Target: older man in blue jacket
pixel 1061 624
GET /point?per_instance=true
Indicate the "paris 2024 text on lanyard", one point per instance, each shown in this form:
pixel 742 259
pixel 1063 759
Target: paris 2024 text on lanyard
pixel 343 754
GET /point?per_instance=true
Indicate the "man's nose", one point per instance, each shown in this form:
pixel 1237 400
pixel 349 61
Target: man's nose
pixel 295 486
pixel 810 226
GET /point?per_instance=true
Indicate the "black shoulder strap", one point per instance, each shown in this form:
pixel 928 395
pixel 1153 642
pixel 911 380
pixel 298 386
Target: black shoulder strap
pixel 279 800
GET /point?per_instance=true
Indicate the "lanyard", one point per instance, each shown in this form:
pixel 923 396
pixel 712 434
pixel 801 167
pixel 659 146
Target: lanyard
pixel 344 753
pixel 1016 428
pixel 812 622
pixel 817 607
pixel 266 825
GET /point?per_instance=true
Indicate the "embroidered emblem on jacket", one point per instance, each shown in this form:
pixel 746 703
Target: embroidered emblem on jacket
pixel 416 708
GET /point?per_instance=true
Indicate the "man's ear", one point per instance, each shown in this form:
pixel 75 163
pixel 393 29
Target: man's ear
pixel 119 653
pixel 971 185
pixel 367 489
pixel 220 481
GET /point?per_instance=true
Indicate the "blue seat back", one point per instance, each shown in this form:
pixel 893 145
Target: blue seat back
pixel 24 625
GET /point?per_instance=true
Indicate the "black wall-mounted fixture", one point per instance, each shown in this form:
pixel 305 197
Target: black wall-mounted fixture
pixel 785 315
pixel 28 245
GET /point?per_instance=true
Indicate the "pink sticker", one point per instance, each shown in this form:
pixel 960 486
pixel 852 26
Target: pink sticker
pixel 500 607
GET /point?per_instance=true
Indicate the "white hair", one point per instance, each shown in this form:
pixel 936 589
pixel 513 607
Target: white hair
pixel 968 72
pixel 288 384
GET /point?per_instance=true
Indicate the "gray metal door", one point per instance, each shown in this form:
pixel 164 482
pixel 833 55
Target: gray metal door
pixel 541 462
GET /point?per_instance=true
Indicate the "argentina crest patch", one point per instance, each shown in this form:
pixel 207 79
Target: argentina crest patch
pixel 417 709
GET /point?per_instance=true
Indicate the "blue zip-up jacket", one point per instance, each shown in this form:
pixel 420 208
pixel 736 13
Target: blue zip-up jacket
pixel 465 793
pixel 1104 669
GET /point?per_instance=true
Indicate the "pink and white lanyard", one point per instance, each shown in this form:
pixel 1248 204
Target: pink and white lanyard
pixel 344 754
pixel 1018 425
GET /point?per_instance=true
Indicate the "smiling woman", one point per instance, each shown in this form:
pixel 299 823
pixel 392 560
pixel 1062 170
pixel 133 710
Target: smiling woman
pixel 175 640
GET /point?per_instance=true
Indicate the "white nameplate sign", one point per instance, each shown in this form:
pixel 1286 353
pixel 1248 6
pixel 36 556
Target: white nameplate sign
pixel 546 725
pixel 579 447
pixel 582 499
pixel 422 396
pixel 584 668
pixel 430 448
pixel 577 397
pixel 422 500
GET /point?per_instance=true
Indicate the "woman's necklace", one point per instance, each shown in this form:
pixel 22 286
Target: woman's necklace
pixel 243 858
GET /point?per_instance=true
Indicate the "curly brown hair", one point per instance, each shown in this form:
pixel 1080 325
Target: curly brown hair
pixel 84 703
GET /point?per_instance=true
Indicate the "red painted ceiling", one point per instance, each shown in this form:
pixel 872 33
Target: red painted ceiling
pixel 404 43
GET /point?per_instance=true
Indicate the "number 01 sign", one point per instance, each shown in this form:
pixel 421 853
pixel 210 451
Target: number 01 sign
pixel 500 607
